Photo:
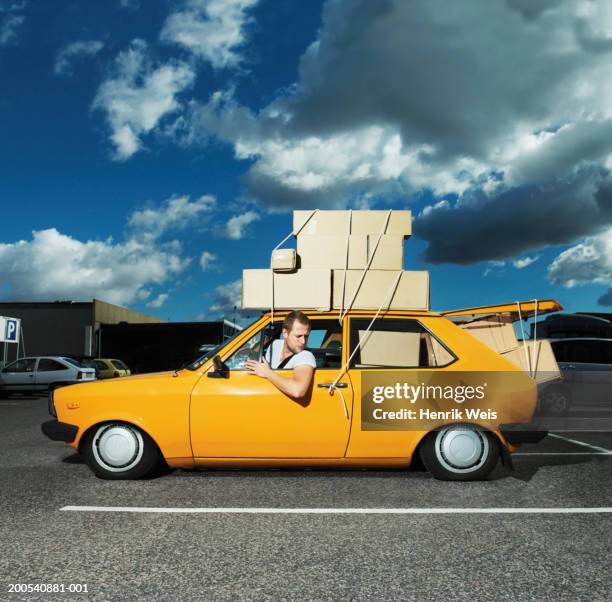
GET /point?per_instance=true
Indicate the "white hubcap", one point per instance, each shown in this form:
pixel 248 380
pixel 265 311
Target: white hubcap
pixel 117 447
pixel 461 450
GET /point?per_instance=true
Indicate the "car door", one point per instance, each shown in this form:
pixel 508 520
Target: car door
pixel 245 416
pixel 598 373
pixel 20 375
pixel 49 371
pixel 404 345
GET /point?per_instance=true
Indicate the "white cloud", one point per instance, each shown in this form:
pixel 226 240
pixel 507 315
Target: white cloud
pixel 54 266
pixel 498 114
pixel 131 4
pixel 176 212
pixel 213 30
pixel 227 301
pixel 9 27
pixel 524 262
pixel 63 60
pixel 139 95
pixel 236 226
pixel 589 262
pixel 158 301
pixel 206 260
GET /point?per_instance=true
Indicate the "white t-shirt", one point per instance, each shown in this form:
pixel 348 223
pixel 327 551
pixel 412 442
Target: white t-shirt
pixel 303 358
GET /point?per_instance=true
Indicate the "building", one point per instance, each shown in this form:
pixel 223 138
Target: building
pixel 66 327
pixel 159 347
pixel 99 329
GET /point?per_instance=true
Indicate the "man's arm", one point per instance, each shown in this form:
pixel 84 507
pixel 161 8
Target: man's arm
pixel 295 387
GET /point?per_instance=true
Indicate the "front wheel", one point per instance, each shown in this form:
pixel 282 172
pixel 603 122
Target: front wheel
pixel 460 452
pixel 120 451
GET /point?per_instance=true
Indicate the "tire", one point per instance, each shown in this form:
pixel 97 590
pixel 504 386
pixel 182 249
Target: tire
pixel 116 450
pixel 460 452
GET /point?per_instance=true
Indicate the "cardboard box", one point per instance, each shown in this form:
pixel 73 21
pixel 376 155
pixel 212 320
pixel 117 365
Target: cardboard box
pixel 284 260
pixel 304 289
pixel 411 292
pixel 336 223
pixel 389 252
pixel 317 252
pixel 544 367
pixel 389 349
pixel 495 331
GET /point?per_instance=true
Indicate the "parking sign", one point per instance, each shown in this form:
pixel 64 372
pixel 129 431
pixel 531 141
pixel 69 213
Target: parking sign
pixel 9 330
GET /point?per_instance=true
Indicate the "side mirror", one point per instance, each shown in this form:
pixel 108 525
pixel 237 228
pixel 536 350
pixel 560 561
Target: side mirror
pixel 221 368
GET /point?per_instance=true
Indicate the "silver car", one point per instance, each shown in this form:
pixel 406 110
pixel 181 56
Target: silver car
pixel 586 364
pixel 30 374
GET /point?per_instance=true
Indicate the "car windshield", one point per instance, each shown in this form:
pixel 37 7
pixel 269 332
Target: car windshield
pixel 212 352
pixel 119 365
pixel 73 362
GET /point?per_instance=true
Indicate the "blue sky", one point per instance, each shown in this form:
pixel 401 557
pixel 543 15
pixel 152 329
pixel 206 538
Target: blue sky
pixel 152 150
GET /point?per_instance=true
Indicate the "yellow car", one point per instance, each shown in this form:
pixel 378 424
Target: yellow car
pixel 111 368
pixel 372 372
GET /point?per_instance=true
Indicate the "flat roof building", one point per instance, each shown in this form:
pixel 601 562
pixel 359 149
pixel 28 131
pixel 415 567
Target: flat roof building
pixel 66 327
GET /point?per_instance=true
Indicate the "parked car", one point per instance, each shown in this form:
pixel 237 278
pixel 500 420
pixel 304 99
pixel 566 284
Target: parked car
pixel 215 413
pixel 30 374
pixel 111 368
pixel 586 364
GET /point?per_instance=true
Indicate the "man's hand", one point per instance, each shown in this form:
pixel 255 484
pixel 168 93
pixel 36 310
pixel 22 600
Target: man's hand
pixel 261 369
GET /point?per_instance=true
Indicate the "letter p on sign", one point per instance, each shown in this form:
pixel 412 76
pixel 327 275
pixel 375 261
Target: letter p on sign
pixel 11 332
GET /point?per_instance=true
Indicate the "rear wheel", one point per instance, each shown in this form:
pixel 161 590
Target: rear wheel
pixel 117 450
pixel 460 452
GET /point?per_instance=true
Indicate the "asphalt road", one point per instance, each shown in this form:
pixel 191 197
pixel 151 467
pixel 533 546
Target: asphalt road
pixel 235 556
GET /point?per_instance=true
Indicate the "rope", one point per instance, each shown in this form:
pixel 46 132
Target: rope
pixel 346 263
pixel 384 229
pixel 292 233
pixel 387 298
pixel 527 356
pixel 536 351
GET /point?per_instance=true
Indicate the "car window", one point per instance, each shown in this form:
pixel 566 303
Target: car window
pixel 602 352
pixel 250 350
pixel 396 343
pixel 100 365
pixel 211 352
pixel 22 365
pixel 48 365
pixel 119 365
pixel 324 342
pixel 72 361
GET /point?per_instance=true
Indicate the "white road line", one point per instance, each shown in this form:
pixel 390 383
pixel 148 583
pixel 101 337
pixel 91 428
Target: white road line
pixel 562 454
pixel 582 443
pixel 604 510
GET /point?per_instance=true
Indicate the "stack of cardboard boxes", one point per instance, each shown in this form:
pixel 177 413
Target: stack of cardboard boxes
pixel 342 260
pixel 535 357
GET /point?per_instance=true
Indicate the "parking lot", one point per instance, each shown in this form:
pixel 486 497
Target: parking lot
pixel 541 532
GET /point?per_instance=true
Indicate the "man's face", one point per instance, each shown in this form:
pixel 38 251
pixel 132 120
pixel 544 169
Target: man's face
pixel 298 337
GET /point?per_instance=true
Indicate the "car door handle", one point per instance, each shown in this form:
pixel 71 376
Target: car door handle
pixel 330 385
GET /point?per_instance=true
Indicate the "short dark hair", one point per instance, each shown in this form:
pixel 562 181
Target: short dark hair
pixel 295 316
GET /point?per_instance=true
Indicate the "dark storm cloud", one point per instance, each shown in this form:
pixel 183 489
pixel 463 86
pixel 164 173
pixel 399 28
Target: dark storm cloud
pixel 517 220
pixel 606 300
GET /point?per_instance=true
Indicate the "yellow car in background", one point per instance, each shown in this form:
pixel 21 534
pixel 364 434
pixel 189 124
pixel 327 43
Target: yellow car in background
pixel 213 413
pixel 111 368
